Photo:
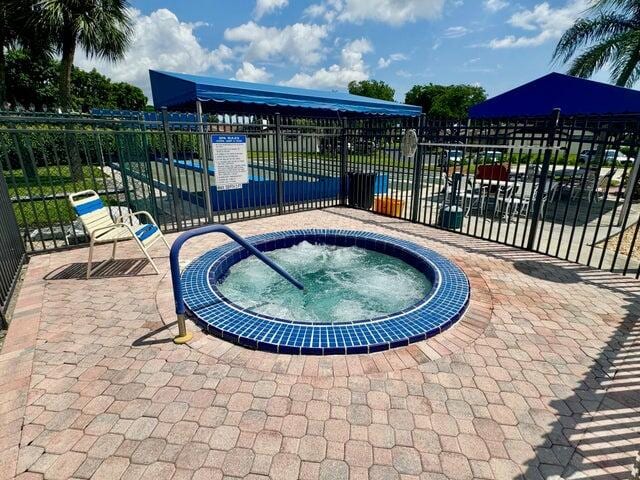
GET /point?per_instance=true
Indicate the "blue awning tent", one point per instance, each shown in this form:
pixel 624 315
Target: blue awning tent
pixel 572 95
pixel 178 91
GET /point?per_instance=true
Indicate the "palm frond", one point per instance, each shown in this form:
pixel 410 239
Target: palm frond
pixel 587 30
pixel 634 76
pixel 594 58
pixel 624 6
pixel 627 58
pixel 101 28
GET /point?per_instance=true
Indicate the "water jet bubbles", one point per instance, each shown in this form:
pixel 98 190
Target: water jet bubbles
pixel 342 284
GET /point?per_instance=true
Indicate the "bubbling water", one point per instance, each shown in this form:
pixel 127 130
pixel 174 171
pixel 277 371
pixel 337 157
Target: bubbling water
pixel 342 284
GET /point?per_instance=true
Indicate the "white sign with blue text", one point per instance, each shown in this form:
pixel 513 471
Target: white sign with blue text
pixel 230 161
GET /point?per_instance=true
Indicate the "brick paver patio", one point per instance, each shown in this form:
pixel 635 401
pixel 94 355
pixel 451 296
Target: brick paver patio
pixel 539 380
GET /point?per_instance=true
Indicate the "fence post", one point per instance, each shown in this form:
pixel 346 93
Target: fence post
pixel 172 168
pixel 279 173
pixel 418 163
pixel 544 173
pixel 152 189
pixel 344 156
pixel 204 162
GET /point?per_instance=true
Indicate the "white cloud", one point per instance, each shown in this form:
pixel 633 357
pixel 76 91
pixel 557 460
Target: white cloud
pixel 543 21
pixel 351 68
pixel 300 43
pixel 394 57
pixel 404 74
pixel 473 65
pixel 455 32
pixel 495 5
pixel 392 12
pixel 250 73
pixel 160 41
pixel 328 10
pixel 267 6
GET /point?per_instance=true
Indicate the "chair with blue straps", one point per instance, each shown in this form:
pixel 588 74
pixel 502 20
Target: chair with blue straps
pixel 97 221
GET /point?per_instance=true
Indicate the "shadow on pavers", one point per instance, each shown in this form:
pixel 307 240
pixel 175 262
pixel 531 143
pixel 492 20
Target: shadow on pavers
pixel 148 339
pixel 105 269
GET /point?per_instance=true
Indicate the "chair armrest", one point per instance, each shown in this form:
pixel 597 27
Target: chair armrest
pixel 122 218
pixel 82 193
pixel 96 233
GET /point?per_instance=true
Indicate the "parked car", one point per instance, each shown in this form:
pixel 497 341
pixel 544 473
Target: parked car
pixel 611 157
pixel 450 158
pixel 490 156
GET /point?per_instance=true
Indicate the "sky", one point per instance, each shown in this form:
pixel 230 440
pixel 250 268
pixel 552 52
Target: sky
pixel 325 44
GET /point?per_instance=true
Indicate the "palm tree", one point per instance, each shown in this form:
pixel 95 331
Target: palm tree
pixel 101 28
pixel 609 35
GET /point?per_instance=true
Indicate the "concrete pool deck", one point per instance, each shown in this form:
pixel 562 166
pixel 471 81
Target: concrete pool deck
pixel 541 379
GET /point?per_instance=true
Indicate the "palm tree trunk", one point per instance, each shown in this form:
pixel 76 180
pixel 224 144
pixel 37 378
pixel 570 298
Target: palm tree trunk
pixel 3 65
pixel 3 73
pixel 66 65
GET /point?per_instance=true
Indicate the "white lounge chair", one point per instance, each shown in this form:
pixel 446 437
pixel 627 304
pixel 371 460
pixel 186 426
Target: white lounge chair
pixel 97 221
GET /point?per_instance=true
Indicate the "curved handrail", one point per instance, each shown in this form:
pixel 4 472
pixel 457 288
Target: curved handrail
pixel 174 258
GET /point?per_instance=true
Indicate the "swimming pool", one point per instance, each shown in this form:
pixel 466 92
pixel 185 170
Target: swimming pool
pixel 218 294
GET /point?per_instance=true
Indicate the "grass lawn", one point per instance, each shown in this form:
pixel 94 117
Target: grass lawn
pixel 49 181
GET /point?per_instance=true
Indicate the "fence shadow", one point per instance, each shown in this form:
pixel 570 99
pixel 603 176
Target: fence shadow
pixel 105 269
pixel 596 432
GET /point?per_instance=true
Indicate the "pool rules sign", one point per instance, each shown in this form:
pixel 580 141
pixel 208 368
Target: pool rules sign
pixel 230 161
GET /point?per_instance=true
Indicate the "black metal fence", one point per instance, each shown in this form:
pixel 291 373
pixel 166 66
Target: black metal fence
pixel 562 186
pixel 12 253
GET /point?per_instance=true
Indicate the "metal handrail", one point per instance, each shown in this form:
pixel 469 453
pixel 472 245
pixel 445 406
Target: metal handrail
pixel 174 259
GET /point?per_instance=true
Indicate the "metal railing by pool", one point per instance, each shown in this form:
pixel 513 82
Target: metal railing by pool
pixel 174 259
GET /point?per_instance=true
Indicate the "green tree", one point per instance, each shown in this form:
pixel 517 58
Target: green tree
pixel 608 35
pixel 373 89
pixel 94 90
pixel 33 79
pixel 127 97
pixel 448 101
pixel 14 32
pixel 99 27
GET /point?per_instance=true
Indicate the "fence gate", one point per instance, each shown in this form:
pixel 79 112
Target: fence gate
pixel 12 253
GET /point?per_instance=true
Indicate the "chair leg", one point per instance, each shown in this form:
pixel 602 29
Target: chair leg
pixel 90 260
pixel 166 243
pixel 113 251
pixel 151 261
pixel 146 254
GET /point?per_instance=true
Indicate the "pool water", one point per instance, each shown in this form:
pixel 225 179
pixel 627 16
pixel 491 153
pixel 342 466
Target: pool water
pixel 342 284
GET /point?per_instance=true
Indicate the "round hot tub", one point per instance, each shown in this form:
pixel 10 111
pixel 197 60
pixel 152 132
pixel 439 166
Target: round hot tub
pixel 364 293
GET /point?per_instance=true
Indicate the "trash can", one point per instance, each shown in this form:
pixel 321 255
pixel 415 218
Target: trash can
pixel 451 217
pixel 361 189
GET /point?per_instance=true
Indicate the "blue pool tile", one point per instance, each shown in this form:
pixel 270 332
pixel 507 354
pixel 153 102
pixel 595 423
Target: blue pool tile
pixel 442 307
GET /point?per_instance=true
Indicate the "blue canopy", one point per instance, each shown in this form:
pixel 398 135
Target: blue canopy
pixel 180 91
pixel 572 95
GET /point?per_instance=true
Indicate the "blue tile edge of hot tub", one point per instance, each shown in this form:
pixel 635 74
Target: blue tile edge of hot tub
pixel 444 305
